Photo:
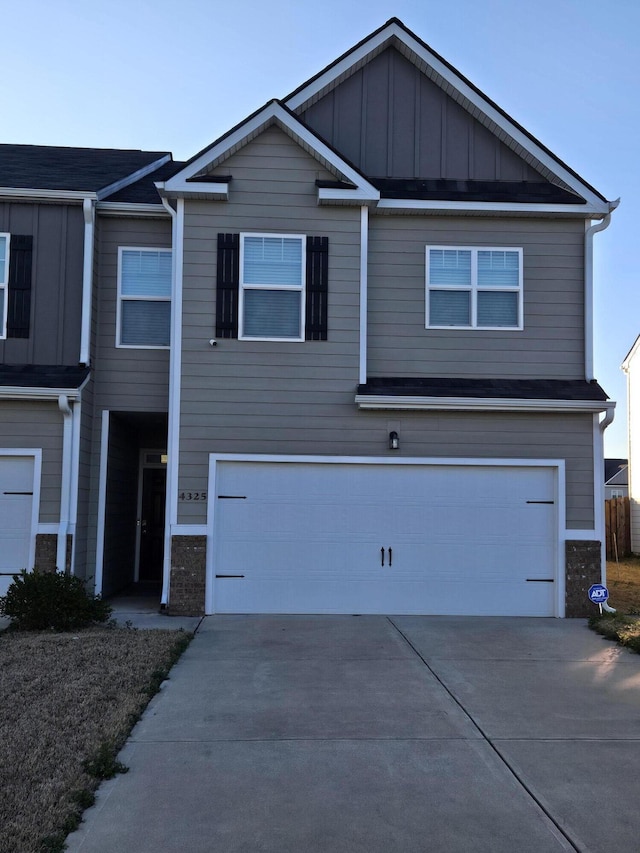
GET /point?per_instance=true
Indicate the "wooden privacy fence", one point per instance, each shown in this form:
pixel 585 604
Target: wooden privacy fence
pixel 618 527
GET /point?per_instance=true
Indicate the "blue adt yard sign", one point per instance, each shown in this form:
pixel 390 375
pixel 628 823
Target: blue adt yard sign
pixel 598 594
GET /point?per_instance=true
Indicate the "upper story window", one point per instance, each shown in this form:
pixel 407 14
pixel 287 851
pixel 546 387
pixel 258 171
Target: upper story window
pixel 474 288
pixel 272 287
pixel 4 283
pixel 144 298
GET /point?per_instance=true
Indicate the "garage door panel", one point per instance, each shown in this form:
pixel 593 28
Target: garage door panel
pixel 308 537
pixel 16 511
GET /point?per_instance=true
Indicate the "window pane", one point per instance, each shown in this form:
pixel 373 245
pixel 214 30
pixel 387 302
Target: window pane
pixel 450 266
pixel 145 323
pixel 497 309
pixel 498 269
pixel 273 260
pixel 3 260
pixel 272 313
pixel 146 273
pixel 449 308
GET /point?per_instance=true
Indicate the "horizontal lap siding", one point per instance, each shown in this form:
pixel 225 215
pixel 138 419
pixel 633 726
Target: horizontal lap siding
pixel 551 345
pixel 235 385
pixel 126 379
pixel 37 425
pixel 56 290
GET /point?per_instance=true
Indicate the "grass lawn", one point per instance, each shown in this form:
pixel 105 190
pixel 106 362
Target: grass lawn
pixel 623 583
pixel 68 702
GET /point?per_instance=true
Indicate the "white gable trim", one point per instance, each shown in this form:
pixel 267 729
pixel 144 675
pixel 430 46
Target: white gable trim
pixel 179 184
pixel 393 205
pixel 379 40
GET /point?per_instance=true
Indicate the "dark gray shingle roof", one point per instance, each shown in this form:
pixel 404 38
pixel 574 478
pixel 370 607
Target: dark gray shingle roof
pixel 505 389
pixel 144 191
pixel 46 167
pixel 42 376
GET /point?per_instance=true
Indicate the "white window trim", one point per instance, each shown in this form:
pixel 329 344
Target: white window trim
pixel 302 288
pixel 4 287
pixel 474 289
pixel 120 297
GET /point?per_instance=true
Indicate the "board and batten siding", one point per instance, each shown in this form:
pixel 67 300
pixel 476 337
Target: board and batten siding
pixel 551 345
pixel 56 284
pixel 37 425
pixel 126 379
pixel 390 120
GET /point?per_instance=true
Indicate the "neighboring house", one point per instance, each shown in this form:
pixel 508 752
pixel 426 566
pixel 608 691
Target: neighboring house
pixel 340 361
pixel 631 366
pixel 615 479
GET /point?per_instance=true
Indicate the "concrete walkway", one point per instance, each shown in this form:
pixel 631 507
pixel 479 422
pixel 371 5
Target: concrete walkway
pixel 430 734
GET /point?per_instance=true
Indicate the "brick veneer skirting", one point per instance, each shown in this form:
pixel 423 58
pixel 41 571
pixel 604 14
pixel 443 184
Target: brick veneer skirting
pixel 46 550
pixel 188 573
pixel 583 566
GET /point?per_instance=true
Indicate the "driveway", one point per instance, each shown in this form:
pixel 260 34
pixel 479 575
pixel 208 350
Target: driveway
pixel 382 735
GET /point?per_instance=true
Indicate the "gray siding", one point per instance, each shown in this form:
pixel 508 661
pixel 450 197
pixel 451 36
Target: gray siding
pixel 126 379
pixel 37 425
pixel 551 345
pixel 390 120
pixel 298 398
pixel 56 296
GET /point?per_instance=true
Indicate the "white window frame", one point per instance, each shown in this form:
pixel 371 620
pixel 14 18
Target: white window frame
pixel 4 286
pixel 298 288
pixel 474 288
pixel 121 298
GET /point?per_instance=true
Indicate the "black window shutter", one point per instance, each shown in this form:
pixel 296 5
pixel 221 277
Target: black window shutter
pixel 19 305
pixel 227 283
pixel 317 288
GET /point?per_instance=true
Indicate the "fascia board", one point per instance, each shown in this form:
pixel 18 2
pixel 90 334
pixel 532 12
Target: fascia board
pixel 15 392
pixel 473 404
pixel 588 211
pixel 253 124
pixel 203 189
pixel 626 364
pixel 29 194
pixel 357 196
pixel 114 208
pixel 133 177
pixel 456 82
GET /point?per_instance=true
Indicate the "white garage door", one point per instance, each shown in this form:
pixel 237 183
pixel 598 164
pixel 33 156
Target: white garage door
pixel 16 508
pixel 364 538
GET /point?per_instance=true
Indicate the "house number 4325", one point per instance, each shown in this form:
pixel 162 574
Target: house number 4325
pixel 192 496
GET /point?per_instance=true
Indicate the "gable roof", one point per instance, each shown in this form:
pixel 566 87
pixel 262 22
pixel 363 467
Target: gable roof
pixel 192 179
pixel 51 170
pixel 394 33
pixel 616 472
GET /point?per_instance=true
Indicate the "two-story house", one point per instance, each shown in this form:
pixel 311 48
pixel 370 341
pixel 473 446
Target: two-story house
pixel 340 361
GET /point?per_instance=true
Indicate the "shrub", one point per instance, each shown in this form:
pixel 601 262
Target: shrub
pixel 40 602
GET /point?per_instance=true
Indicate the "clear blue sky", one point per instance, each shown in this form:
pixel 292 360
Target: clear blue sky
pixel 162 75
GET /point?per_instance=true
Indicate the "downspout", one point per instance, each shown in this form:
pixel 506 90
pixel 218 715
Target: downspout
pixel 65 483
pixel 89 212
pixel 598 445
pixel 174 409
pixel 588 289
pixel 599 495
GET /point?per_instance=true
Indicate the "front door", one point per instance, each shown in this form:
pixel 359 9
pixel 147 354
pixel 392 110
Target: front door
pixel 154 483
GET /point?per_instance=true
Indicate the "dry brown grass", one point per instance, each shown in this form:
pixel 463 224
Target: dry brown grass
pixel 62 696
pixel 623 583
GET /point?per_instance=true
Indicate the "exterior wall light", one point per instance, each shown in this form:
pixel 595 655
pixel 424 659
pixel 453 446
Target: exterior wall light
pixel 394 441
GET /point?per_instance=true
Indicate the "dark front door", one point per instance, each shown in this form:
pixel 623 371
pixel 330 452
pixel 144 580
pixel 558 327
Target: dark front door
pixel 154 484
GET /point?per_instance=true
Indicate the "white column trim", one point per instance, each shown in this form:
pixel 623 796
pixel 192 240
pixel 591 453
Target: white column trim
pixel 364 261
pixel 102 501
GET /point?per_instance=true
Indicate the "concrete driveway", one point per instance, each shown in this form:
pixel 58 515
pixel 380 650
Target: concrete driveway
pixel 382 735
